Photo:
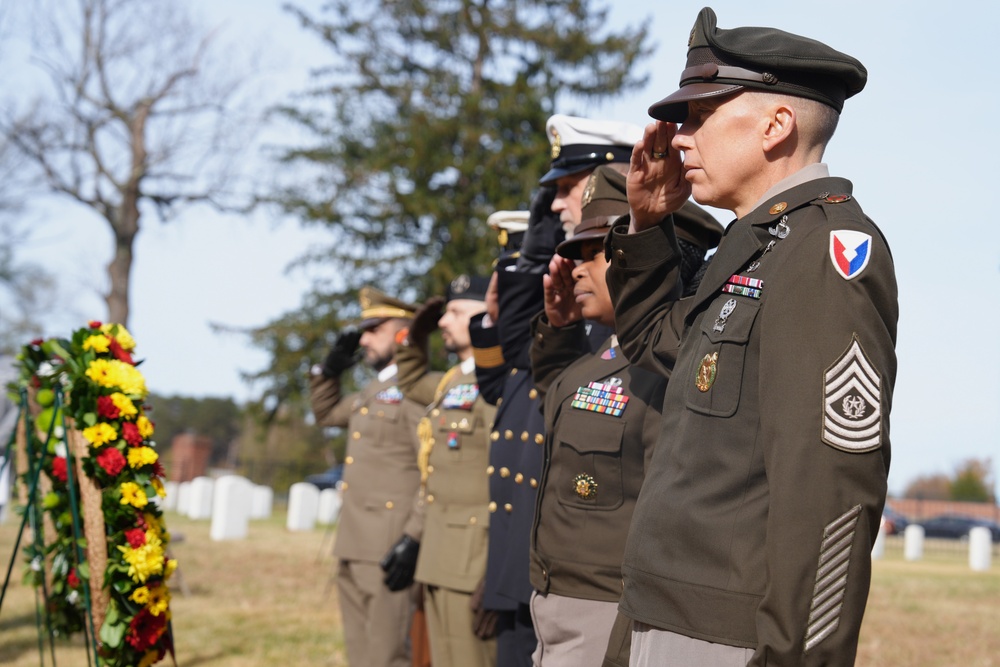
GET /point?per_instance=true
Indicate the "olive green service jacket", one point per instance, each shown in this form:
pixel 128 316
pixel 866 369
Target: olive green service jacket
pixel 455 452
pixel 757 517
pixel 381 480
pixel 602 419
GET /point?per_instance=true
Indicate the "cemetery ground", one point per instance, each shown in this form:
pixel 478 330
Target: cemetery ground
pixel 268 600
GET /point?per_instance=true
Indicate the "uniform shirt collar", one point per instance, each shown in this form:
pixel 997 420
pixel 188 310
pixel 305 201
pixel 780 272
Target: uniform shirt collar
pixel 810 172
pixel 469 365
pixel 387 373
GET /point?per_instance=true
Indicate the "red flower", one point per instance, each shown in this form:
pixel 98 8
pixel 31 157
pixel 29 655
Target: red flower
pixel 106 408
pixel 140 521
pixel 36 382
pixel 111 460
pixel 59 468
pixel 37 342
pixel 158 470
pixel 131 434
pixel 145 629
pixel 94 324
pixel 136 537
pixel 119 353
pixel 72 579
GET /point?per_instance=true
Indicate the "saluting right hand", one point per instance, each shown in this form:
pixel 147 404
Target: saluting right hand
pixel 656 183
pixel 561 307
pixel 425 321
pixel 343 354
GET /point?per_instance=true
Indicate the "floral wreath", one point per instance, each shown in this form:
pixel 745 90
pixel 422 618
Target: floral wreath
pixel 109 435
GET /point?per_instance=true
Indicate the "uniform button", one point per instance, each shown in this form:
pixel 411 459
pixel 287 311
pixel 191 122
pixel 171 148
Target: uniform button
pixel 505 472
pixel 349 460
pixel 494 436
pixel 356 435
pixel 499 401
pixel 518 478
pixel 363 411
pixel 524 437
pixel 464 424
pixel 620 254
pixel 435 412
pixel 508 435
pixel 388 505
pixel 513 371
pixel 493 507
pixel 380 413
pixel 490 470
pixel 343 486
pixel 472 521
pixel 430 469
pixel 539 439
pixel 533 394
pixel 432 441
pixel 508 508
pixel 534 483
pixel 430 498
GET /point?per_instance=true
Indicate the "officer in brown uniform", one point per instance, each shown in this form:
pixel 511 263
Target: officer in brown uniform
pixel 751 539
pixel 381 480
pixel 602 417
pixel 453 454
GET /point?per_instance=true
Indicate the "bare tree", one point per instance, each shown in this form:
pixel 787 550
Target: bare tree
pixel 138 112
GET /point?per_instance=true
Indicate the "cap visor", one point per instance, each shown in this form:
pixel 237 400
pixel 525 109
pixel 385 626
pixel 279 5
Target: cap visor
pixel 370 323
pixel 555 174
pixel 673 107
pixel 570 248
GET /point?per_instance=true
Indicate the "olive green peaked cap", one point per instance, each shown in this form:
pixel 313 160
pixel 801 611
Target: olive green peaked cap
pixel 723 62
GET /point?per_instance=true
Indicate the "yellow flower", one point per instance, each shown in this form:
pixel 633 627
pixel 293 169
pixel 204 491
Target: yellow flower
pixel 145 426
pixel 126 408
pixel 132 494
pixel 141 456
pixel 158 485
pixel 121 335
pixel 97 343
pixel 100 434
pixel 140 595
pixel 149 659
pixel 117 374
pixel 169 568
pixel 145 561
pixel 159 600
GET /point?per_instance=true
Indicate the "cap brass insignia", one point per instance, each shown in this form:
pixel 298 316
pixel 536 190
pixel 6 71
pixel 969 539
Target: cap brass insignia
pixel 778 208
pixel 588 191
pixel 707 372
pixel 585 486
pixel 364 299
pixel 556 143
pixel 460 284
pixel 691 38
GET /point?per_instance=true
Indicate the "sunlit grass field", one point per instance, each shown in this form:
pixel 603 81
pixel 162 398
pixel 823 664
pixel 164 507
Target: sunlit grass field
pixel 269 600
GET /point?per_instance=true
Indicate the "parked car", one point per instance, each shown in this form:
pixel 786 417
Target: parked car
pixel 894 522
pixel 329 479
pixel 957 526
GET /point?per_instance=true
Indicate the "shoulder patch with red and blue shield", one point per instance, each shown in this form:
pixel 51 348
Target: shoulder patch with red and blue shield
pixel 850 252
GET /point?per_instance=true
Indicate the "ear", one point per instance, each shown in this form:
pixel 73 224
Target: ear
pixel 781 128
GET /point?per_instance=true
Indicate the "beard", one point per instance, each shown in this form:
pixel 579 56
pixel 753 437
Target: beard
pixel 378 361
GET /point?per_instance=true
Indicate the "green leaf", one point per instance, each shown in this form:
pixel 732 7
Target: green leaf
pixel 112 634
pixel 89 418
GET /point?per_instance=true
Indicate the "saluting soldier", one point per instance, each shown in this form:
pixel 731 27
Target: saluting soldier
pixel 453 453
pixel 381 479
pixel 751 541
pixel 602 416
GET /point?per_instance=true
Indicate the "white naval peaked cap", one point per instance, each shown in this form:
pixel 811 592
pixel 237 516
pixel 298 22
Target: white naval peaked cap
pixel 512 221
pixel 578 144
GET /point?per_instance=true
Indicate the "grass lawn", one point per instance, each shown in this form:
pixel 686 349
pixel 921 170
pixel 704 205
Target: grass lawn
pixel 268 600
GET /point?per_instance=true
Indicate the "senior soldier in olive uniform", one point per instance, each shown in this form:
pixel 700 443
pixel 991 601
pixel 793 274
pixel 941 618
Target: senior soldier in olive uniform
pixel 603 418
pixel 453 454
pixel 752 536
pixel 381 480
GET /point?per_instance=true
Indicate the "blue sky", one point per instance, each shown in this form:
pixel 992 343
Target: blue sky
pixel 919 143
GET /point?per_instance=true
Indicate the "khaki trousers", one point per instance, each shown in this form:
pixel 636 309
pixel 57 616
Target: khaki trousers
pixel 449 627
pixel 652 647
pixel 571 632
pixel 376 621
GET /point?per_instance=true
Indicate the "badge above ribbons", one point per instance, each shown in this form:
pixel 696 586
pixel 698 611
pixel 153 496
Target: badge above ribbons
pixel 852 402
pixel 850 252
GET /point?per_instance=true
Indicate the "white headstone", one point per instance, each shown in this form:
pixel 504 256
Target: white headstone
pixel 200 506
pixel 913 542
pixel 183 498
pixel 329 507
pixel 878 549
pixel 170 500
pixel 231 508
pixel 980 548
pixel 303 504
pixel 263 499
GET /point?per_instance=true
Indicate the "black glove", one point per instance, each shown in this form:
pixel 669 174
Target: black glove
pixel 544 233
pixel 343 355
pixel 400 563
pixel 425 321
